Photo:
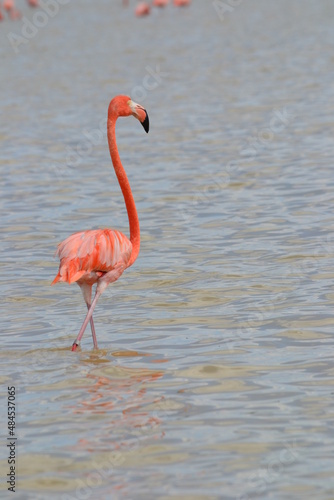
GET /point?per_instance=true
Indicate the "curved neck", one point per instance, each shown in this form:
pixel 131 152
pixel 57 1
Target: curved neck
pixel 126 190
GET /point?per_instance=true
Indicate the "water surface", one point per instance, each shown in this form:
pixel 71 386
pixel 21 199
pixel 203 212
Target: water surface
pixel 214 378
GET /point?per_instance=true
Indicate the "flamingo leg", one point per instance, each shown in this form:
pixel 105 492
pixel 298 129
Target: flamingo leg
pixel 102 284
pixel 85 323
pixel 87 295
pixel 92 327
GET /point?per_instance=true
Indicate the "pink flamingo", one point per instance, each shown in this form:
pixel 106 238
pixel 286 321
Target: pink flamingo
pixel 33 3
pixel 15 14
pixel 160 3
pixel 8 5
pixel 143 9
pixel 182 3
pixel 101 255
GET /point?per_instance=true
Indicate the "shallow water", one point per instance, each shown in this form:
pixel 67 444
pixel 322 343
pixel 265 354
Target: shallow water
pixel 214 378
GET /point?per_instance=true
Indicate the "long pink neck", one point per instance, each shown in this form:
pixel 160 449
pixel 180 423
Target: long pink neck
pixel 126 190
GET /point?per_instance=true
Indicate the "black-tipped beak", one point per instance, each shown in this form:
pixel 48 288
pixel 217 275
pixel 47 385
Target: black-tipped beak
pixel 146 123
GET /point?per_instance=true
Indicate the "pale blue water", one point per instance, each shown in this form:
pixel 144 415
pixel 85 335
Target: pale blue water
pixel 214 378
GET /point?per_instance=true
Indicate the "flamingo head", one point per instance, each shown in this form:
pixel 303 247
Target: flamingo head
pixel 123 105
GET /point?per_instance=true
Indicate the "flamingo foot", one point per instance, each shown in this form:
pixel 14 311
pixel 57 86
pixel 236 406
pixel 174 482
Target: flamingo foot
pixel 74 346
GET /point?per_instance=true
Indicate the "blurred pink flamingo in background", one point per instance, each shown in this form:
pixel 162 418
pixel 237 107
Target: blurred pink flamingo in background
pixel 142 9
pixel 181 3
pixel 13 12
pixel 8 5
pixel 160 3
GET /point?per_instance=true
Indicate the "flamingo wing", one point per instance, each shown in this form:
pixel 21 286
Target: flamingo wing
pixel 96 250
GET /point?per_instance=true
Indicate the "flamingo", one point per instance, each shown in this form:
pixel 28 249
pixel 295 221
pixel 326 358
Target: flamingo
pixel 181 3
pixel 143 9
pixel 160 3
pixel 15 14
pixel 101 255
pixel 8 5
pixel 33 3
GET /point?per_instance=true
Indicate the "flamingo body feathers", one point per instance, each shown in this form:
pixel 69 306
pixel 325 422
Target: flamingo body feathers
pixel 91 253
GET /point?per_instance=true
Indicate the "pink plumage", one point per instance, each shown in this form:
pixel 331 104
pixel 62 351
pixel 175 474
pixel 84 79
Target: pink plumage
pixel 84 253
pixel 142 9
